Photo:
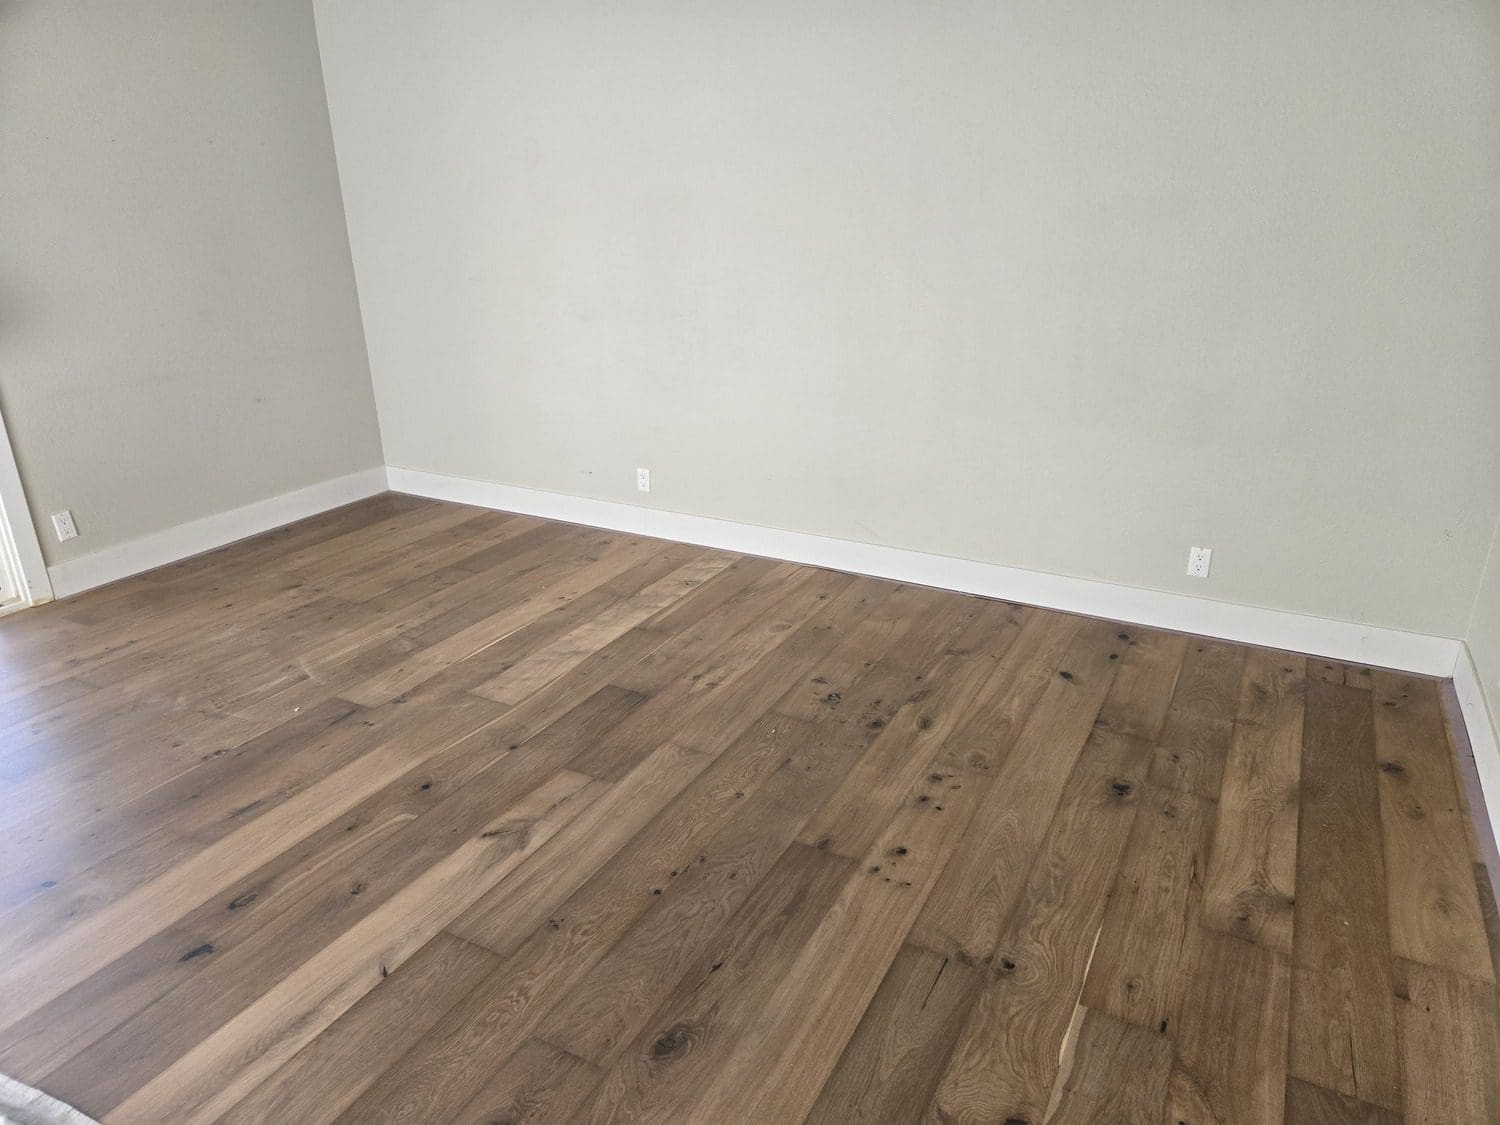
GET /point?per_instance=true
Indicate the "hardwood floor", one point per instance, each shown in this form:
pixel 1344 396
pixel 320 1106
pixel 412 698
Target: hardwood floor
pixel 416 812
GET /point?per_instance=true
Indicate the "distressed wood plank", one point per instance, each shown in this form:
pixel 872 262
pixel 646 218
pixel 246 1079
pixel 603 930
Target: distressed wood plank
pixel 987 873
pixel 1115 1074
pixel 222 1069
pixel 1343 1022
pixel 889 1069
pixel 1436 917
pixel 1006 1059
pixel 1252 867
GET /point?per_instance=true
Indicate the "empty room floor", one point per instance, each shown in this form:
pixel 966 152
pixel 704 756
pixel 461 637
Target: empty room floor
pixel 418 812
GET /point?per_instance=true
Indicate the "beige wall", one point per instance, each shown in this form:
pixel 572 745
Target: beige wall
pixel 179 332
pixel 1022 283
pixel 1059 285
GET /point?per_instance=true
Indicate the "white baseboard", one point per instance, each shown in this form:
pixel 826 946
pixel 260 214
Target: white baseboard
pixel 1484 732
pixel 175 543
pixel 1317 636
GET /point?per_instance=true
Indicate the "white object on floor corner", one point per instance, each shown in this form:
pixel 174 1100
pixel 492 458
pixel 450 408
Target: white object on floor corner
pixel 27 1105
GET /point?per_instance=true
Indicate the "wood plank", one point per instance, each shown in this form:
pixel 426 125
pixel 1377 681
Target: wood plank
pixel 1489 908
pixel 473 670
pixel 889 1069
pixel 550 661
pixel 578 928
pixel 186 733
pixel 715 1004
pixel 777 1070
pixel 1024 669
pixel 691 648
pixel 1005 1062
pixel 43 968
pixel 853 817
pixel 1116 1074
pixel 1450 1039
pixel 806 770
pixel 326 902
pixel 225 1067
pixel 1136 973
pixel 1143 691
pixel 502 919
pixel 980 887
pixel 40 855
pixel 889 653
pixel 321 1079
pixel 489 578
pixel 1230 1031
pixel 266 640
pixel 1435 915
pixel 1252 866
pixel 605 1009
pixel 190 747
pixel 1343 1022
pixel 1195 738
pixel 538 1083
pixel 1230 1024
pixel 429 661
pixel 735 583
pixel 303 873
pixel 386 538
pixel 1310 1104
pixel 179 586
pixel 434 553
pixel 739 678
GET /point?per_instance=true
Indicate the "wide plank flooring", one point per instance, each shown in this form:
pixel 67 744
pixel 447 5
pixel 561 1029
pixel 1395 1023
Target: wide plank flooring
pixel 414 812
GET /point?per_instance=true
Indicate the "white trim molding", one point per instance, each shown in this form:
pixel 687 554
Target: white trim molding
pixel 148 552
pixel 18 541
pixel 1484 732
pixel 1317 636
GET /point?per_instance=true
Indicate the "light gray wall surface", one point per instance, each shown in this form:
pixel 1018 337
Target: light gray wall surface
pixel 179 329
pixel 1058 285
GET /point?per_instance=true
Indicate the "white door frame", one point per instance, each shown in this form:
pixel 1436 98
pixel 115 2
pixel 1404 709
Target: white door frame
pixel 22 552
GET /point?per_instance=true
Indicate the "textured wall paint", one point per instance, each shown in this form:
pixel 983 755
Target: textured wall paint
pixel 1056 285
pixel 179 330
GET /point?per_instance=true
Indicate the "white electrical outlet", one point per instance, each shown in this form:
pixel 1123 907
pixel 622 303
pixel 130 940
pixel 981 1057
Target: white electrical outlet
pixel 643 480
pixel 62 523
pixel 1198 559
